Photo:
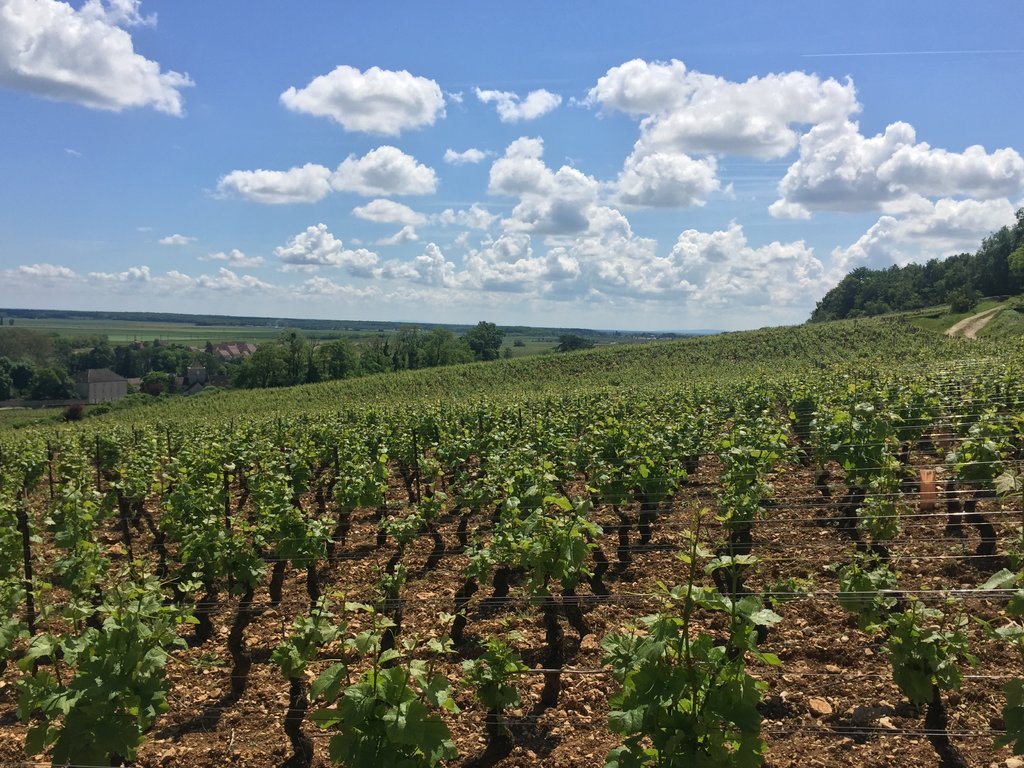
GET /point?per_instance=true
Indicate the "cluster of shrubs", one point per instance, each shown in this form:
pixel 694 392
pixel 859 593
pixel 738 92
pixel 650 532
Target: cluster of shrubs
pixel 77 412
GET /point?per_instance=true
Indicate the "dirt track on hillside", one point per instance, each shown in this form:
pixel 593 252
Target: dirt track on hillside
pixel 969 326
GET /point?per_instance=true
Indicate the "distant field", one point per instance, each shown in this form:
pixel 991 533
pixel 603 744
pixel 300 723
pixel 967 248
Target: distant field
pixel 531 345
pixel 124 331
pixel 121 331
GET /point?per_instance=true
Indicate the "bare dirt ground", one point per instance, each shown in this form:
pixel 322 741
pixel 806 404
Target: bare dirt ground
pixel 832 702
pixel 969 326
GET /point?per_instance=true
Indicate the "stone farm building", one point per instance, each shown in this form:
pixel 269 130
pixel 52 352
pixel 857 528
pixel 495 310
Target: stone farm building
pixel 100 385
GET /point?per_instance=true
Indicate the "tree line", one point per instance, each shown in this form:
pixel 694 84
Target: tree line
pixel 41 366
pixel 294 359
pixel 996 269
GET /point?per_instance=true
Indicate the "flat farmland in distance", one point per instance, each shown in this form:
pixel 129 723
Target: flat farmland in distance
pixel 531 345
pixel 122 331
pixel 522 342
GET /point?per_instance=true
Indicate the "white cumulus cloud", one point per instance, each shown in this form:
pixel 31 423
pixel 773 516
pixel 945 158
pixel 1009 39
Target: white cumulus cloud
pixel 550 202
pixel 474 217
pixel 50 49
pixel 692 112
pixel 316 247
pixel 930 230
pixel 840 169
pixel 506 264
pixel 666 180
pixel 324 287
pixel 226 281
pixel 136 276
pixel 469 156
pixel 429 268
pixel 48 271
pixel 724 269
pixel 521 170
pixel 176 240
pixel 135 280
pixel 938 172
pixel 377 101
pixel 123 12
pixel 388 212
pixel 406 234
pixel 609 263
pixel 385 170
pixel 234 258
pixel 308 184
pixel 512 109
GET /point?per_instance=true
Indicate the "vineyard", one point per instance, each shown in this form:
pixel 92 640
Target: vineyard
pixel 788 547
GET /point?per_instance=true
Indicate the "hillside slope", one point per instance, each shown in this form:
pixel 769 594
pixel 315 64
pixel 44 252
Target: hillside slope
pixel 651 367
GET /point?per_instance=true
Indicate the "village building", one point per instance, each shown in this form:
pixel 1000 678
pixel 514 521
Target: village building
pixel 230 351
pixel 196 374
pixel 100 385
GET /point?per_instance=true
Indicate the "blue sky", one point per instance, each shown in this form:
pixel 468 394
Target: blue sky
pixel 612 165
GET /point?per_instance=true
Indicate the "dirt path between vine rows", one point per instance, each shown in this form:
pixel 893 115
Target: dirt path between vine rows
pixel 969 326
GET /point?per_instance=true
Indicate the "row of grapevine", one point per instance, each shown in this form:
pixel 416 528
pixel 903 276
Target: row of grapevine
pixel 551 499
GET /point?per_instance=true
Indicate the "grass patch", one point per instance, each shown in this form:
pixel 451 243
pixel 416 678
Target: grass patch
pixel 19 418
pixel 940 319
pixel 524 346
pixel 1008 323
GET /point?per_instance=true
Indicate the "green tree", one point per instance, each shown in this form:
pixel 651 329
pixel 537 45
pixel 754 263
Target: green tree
pixel 169 358
pixel 337 359
pixel 570 342
pixel 100 356
pixel 266 367
pixel 155 383
pixel 294 348
pixel 312 374
pixel 22 372
pixel 129 361
pixel 405 348
pixel 51 384
pixel 375 355
pixel 962 300
pixel 996 268
pixel 485 340
pixel 442 347
pixel 1015 262
pixel 22 343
